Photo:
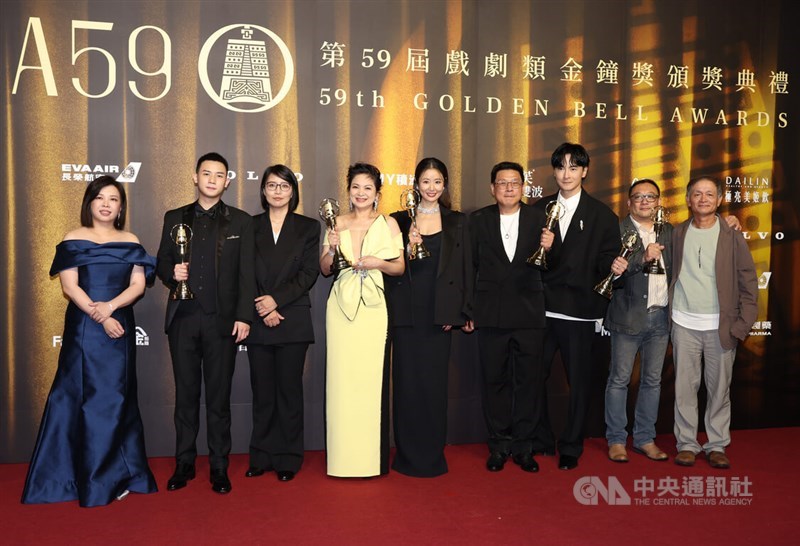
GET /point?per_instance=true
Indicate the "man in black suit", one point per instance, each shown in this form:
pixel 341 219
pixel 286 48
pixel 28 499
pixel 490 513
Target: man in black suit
pixel 586 243
pixel 203 331
pixel 509 316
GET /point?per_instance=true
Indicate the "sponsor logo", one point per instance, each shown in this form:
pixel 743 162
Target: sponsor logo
pixel 142 339
pixel 86 172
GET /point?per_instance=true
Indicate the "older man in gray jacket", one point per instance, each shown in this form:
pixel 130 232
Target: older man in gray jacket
pixel 713 297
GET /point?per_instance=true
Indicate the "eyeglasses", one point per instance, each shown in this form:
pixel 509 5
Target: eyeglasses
pixel 511 184
pixel 283 186
pixel 638 197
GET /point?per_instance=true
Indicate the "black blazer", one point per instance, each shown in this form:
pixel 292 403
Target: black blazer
pixel 286 270
pixel 453 303
pixel 627 312
pixel 582 260
pixel 233 266
pixel 507 294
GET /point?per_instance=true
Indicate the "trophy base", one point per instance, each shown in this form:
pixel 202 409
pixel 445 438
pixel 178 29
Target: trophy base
pixel 656 270
pixel 181 295
pixel 340 264
pixel 604 289
pixel 536 262
pixel 419 252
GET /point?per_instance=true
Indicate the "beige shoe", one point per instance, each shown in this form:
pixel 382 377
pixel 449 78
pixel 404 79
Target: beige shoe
pixel 685 458
pixel 617 453
pixel 652 452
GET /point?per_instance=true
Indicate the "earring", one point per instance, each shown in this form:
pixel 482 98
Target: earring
pixel 351 205
pixel 375 204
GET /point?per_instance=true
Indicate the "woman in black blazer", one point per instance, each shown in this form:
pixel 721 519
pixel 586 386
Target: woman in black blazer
pixel 425 303
pixel 286 268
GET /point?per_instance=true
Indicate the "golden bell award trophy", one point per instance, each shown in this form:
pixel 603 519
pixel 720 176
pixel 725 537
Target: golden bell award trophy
pixel 629 241
pixel 181 234
pixel 328 211
pixel 409 200
pixel 660 218
pixel 555 211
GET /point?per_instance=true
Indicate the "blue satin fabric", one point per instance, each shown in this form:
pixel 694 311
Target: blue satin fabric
pixel 91 442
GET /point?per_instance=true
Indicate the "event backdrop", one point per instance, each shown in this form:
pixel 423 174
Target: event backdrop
pixel 139 89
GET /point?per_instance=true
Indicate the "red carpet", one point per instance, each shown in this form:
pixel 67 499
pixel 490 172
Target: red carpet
pixel 467 506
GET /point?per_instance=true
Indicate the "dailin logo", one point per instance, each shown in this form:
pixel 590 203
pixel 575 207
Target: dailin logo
pixel 247 69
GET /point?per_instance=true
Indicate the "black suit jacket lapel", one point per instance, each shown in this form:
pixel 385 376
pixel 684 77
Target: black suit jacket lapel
pixel 525 233
pixel 287 243
pixel 223 225
pixel 449 235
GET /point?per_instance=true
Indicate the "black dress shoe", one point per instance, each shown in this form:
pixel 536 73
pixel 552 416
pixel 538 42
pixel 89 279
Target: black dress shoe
pixel 567 462
pixel 254 471
pixel 526 462
pixel 183 473
pixel 219 481
pixel 496 461
pixel 285 475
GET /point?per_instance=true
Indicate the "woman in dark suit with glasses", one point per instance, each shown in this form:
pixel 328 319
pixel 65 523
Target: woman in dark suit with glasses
pixel 287 245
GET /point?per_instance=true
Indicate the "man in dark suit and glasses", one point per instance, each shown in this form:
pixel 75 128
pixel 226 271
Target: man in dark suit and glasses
pixel 509 315
pixel 204 331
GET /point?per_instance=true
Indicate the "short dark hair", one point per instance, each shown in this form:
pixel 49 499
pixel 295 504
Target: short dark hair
pixel 434 163
pixel 694 181
pixel 284 173
pixel 507 166
pixel 644 181
pixel 364 168
pixel 578 156
pixel 211 156
pixel 93 190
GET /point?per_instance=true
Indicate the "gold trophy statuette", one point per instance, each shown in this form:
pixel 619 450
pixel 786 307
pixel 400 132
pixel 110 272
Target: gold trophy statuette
pixel 409 200
pixel 555 211
pixel 660 217
pixel 629 241
pixel 328 211
pixel 181 234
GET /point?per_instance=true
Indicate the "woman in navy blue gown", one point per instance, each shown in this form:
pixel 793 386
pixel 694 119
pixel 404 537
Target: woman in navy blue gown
pixel 91 443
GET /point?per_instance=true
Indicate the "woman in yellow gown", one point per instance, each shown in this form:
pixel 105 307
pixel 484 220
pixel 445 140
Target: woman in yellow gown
pixel 357 375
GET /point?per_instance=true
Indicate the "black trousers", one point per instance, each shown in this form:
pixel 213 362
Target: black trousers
pixel 276 378
pixel 201 354
pixel 574 339
pixel 511 361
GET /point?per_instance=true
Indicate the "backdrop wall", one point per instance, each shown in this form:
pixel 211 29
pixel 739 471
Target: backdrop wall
pixel 139 89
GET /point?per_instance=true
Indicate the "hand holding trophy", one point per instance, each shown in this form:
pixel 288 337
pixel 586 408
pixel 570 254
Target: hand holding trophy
pixel 660 216
pixel 629 241
pixel 181 234
pixel 328 211
pixel 555 211
pixel 409 200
